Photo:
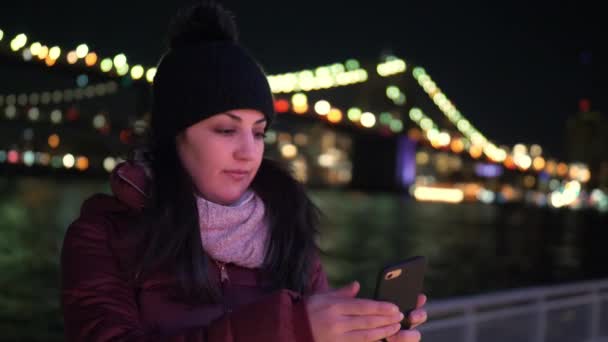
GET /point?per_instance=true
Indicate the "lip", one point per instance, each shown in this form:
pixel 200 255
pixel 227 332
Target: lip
pixel 237 175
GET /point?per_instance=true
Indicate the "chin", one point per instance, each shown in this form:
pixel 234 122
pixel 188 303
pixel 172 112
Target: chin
pixel 228 199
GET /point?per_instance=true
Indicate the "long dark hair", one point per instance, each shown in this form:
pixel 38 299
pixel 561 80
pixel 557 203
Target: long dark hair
pixel 169 235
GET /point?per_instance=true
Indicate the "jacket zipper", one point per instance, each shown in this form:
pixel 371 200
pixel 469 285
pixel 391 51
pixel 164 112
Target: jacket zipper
pixel 223 272
pixel 224 279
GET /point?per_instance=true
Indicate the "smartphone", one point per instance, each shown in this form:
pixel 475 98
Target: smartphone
pixel 400 283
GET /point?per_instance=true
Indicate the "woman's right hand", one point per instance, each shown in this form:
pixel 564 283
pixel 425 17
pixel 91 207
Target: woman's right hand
pixel 338 316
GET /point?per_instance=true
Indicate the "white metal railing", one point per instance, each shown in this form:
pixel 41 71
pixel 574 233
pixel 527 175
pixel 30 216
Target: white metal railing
pixel 571 313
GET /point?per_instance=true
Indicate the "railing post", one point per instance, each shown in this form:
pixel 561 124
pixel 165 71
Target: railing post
pixel 594 325
pixel 471 325
pixel 541 323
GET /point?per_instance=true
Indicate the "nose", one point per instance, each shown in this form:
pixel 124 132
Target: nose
pixel 246 148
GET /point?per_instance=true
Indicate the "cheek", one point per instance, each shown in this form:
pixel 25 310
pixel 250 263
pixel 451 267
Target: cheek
pixel 197 161
pixel 260 155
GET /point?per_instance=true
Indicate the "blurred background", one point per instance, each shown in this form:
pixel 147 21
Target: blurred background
pixel 474 135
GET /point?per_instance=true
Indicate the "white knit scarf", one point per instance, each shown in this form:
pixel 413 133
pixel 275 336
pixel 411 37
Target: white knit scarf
pixel 236 233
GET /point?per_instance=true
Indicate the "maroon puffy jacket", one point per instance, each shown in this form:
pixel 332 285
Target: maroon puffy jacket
pixel 101 303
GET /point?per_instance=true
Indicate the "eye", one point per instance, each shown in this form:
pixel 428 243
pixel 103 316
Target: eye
pixel 225 131
pixel 260 135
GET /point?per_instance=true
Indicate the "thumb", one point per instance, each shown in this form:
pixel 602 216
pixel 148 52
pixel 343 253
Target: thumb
pixel 349 290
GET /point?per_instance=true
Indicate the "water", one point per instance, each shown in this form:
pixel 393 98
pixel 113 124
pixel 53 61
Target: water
pixel 471 248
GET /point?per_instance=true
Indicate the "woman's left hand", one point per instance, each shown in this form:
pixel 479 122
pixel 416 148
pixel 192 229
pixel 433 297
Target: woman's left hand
pixel 416 318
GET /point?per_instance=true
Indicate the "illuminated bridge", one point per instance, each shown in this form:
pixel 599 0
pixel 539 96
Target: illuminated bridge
pixel 376 125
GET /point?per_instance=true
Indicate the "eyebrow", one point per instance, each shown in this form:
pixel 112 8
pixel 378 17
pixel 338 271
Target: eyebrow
pixel 238 118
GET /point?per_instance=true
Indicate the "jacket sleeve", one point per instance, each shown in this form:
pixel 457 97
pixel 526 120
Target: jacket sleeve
pixel 318 282
pixel 99 304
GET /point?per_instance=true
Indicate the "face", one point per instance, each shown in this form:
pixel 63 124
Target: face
pixel 223 153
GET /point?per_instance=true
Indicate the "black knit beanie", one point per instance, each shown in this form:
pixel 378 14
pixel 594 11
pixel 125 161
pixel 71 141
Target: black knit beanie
pixel 206 72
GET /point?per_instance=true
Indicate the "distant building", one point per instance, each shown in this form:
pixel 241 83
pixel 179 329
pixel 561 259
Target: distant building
pixel 587 142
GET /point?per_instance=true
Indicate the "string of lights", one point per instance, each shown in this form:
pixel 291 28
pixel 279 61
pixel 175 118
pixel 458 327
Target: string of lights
pixel 324 110
pixel 59 96
pixel 31 158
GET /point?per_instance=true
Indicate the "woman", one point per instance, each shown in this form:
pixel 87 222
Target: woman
pixel 203 239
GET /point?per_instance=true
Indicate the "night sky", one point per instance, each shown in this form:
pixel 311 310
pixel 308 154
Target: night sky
pixel 516 70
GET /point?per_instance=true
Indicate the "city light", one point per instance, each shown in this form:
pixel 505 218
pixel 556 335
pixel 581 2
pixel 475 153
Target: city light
pixel 326 160
pixel 354 114
pixel 82 163
pixel 55 52
pixel 91 59
pixel 416 114
pixel 562 169
pixel 486 196
pixel 457 145
pixel 386 118
pixel 289 151
pixel 43 52
pixel 10 111
pixel 334 116
pixel 322 107
pixel 551 167
pixel 523 161
pixel 137 72
pixel 72 57
pixel 122 70
pixel 396 125
pixel 68 161
pixel 13 157
pixel 436 194
pixel 109 163
pixel 271 137
pixel 299 100
pixel 368 120
pixel 18 42
pixel 150 74
pixel 106 65
pixel 29 158
pixel 422 158
pixel 44 158
pixel 565 196
pixel 82 50
pixel 476 151
pixel 352 64
pixel 535 150
pixel 35 48
pixel 443 139
pixel 33 113
pixel 585 175
pixel 322 77
pixel 56 116
pixel 27 55
pixel 400 100
pixel 520 149
pixel 120 61
pixel 281 106
pixel 392 92
pixel 538 163
pixel 53 141
pixel 99 121
pixel 392 66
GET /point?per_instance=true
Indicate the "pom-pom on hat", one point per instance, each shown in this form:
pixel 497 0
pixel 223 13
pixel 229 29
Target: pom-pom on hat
pixel 206 72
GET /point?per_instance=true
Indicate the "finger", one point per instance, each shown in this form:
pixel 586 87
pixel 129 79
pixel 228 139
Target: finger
pixel 421 300
pixel 356 306
pixel 349 290
pixel 417 317
pixel 350 323
pixel 405 336
pixel 372 335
